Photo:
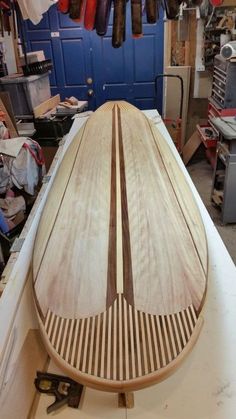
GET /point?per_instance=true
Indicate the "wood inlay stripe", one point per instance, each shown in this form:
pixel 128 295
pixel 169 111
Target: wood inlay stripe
pixel 60 334
pixel 143 340
pixel 193 313
pixel 181 329
pixel 91 346
pixel 97 349
pixel 167 341
pixel 126 340
pixel 109 343
pixel 63 341
pixel 72 340
pixel 185 325
pixel 157 355
pixel 149 341
pixel 85 348
pixel 159 334
pixel 171 337
pixel 81 336
pixel 131 333
pixel 127 259
pixel 50 326
pixel 115 354
pixel 119 216
pixel 176 332
pixel 47 320
pixel 69 342
pixel 112 264
pixel 121 376
pixel 75 337
pixel 189 319
pixel 137 343
pixel 103 345
pixel 54 336
pixel 77 343
pixel 58 331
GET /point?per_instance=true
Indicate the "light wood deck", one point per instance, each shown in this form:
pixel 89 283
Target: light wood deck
pixel 120 257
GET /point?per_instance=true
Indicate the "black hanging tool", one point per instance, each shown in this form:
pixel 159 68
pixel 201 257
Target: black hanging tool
pixel 75 9
pixel 102 16
pixel 65 390
pixel 152 10
pixel 118 33
pixel 172 8
pixel 136 17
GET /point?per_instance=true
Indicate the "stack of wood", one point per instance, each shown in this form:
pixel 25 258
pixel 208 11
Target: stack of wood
pixel 95 15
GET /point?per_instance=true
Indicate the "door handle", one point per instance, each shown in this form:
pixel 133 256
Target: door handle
pixel 90 92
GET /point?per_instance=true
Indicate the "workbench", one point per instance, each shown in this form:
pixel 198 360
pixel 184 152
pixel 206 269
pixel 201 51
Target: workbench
pixel 204 387
pixel 224 185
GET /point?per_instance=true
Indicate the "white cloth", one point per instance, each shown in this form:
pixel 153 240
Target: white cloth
pixel 34 9
pixel 12 146
pixel 11 206
pixel 22 171
pixel 25 172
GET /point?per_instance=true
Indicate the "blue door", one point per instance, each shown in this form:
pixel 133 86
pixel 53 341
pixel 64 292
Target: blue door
pixel 86 66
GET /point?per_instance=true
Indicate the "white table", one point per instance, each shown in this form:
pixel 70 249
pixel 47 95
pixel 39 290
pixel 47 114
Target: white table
pixel 204 387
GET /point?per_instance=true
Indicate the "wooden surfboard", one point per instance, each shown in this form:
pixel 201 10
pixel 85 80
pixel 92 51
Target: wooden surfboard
pixel 120 257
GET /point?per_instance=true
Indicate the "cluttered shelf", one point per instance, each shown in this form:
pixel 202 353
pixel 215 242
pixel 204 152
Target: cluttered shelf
pixel 21 171
pixel 30 134
pixel 18 241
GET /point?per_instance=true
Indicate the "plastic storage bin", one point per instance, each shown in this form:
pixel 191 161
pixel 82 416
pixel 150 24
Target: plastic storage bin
pixel 26 92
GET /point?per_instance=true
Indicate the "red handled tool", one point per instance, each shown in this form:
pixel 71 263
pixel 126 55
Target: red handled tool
pixel 216 3
pixel 90 14
pixel 63 6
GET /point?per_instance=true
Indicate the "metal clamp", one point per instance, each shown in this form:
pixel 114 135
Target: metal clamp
pixel 65 390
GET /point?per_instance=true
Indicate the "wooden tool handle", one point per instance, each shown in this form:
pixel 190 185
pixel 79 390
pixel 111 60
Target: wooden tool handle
pixel 90 14
pixel 75 9
pixel 136 16
pixel 152 11
pixel 63 6
pixel 102 16
pixel 172 8
pixel 124 31
pixel 118 23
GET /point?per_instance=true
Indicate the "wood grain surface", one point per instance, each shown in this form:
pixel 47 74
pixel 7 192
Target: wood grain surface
pixel 120 257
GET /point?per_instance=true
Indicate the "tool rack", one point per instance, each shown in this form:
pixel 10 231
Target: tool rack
pixel 221 103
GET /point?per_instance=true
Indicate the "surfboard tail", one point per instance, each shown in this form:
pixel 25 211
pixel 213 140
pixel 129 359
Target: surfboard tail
pixel 121 347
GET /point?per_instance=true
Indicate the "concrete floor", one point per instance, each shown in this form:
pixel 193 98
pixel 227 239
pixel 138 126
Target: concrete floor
pixel 202 173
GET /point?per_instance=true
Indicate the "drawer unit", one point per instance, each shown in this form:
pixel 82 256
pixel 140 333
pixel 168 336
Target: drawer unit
pixel 224 86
